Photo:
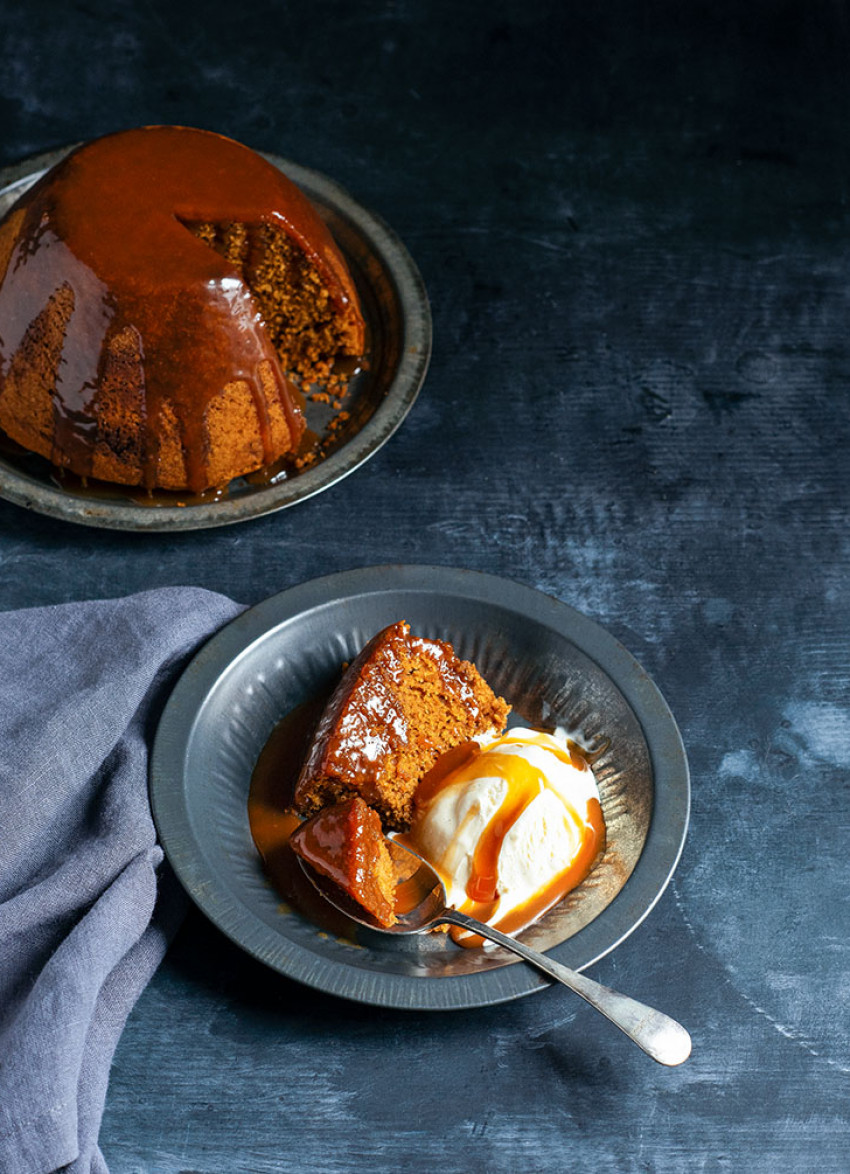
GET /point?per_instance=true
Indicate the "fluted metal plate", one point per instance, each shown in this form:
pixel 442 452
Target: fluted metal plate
pixel 398 320
pixel 549 661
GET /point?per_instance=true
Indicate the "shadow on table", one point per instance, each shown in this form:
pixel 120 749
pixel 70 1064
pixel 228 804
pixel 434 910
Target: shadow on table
pixel 254 998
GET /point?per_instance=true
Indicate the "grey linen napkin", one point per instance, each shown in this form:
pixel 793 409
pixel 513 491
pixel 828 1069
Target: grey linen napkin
pixel 82 925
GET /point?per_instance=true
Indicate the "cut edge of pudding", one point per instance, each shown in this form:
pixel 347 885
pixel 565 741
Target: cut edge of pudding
pixel 308 327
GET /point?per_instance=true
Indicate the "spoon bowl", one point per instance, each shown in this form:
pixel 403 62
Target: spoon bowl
pixel 424 911
pixel 423 907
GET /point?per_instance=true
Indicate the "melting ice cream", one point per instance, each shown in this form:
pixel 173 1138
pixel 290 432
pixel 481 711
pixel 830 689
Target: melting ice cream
pixel 511 825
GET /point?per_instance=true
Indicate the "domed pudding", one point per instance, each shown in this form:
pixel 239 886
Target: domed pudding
pixel 157 287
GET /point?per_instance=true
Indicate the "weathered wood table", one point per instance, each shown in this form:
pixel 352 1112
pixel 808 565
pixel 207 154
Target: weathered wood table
pixel 632 220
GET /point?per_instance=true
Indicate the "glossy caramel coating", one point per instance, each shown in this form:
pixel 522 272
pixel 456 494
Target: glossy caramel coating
pixel 132 350
pixel 345 842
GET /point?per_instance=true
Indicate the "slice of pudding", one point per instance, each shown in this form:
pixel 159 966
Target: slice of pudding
pixel 402 703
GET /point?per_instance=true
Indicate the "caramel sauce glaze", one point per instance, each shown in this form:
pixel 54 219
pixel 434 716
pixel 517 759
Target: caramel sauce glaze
pixel 345 842
pixel 364 726
pixel 110 222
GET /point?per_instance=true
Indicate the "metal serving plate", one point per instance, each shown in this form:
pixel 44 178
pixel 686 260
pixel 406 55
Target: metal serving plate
pixel 551 663
pixel 398 320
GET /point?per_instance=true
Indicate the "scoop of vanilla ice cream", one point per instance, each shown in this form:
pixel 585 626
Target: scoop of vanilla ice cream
pixel 521 806
pixel 451 827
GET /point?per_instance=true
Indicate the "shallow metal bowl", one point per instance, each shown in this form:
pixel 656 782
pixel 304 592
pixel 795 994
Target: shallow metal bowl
pixel 551 663
pixel 398 321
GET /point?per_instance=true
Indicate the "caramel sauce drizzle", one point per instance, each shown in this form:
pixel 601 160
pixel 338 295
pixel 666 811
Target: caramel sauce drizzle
pixel 524 783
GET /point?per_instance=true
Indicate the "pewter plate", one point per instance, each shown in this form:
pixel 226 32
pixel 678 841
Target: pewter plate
pixel 398 320
pixel 550 662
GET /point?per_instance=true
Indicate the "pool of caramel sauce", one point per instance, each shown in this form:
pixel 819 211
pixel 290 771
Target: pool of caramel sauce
pixel 273 820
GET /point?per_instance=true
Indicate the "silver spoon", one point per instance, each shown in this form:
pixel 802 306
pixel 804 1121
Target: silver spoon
pixel 661 1037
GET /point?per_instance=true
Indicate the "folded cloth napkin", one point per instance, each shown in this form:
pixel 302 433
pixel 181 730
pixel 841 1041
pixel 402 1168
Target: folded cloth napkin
pixel 82 926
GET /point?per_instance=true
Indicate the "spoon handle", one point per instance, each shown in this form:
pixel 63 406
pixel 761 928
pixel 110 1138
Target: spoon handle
pixel 661 1037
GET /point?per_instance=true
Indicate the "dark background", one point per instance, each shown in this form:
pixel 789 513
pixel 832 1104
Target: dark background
pixel 632 222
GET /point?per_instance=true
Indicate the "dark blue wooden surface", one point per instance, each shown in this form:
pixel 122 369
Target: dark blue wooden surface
pixel 632 220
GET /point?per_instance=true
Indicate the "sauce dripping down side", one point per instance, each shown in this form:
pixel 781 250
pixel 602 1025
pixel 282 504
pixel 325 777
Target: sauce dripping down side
pixel 143 302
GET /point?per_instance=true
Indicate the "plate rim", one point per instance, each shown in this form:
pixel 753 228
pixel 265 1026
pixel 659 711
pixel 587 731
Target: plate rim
pixel 648 881
pixel 415 313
